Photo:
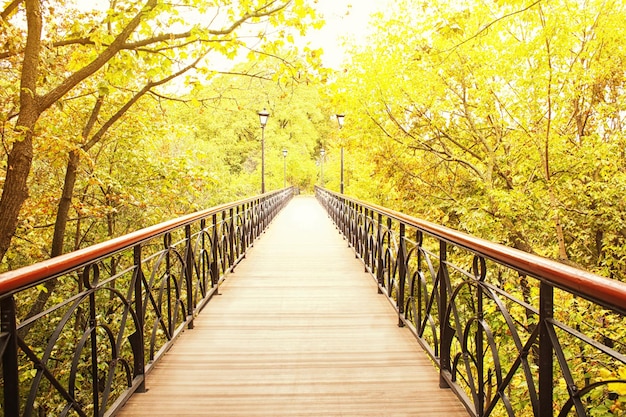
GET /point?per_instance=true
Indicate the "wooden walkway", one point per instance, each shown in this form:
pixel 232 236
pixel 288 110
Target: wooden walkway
pixel 298 330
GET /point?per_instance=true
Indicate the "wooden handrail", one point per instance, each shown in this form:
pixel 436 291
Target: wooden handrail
pixel 605 291
pixel 32 275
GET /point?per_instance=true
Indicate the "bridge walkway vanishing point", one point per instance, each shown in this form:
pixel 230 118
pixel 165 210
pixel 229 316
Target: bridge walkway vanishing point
pixel 298 330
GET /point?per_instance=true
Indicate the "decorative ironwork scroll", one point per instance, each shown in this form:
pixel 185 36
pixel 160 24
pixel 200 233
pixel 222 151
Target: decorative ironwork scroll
pixel 115 308
pixel 512 334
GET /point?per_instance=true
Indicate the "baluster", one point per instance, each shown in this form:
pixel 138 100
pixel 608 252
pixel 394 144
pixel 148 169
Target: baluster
pixel 188 275
pixel 224 246
pixel 202 254
pixel 445 333
pixel 10 375
pixel 379 254
pixel 167 241
pixel 93 330
pixel 344 221
pixel 363 221
pixel 244 232
pixel 546 311
pixel 231 239
pixel 402 273
pixel 352 219
pixel 365 255
pixel 137 339
pixel 479 275
pixel 419 239
pixel 371 253
pixel 214 272
pixel 388 265
pixel 253 222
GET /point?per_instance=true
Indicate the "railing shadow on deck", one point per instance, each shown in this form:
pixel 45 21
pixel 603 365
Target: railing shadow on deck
pixel 512 334
pixel 116 308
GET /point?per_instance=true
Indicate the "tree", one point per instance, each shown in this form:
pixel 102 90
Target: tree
pixel 228 124
pixel 89 53
pixel 486 114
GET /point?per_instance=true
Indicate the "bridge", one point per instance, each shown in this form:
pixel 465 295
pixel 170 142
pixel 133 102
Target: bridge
pixel 283 305
pixel 297 330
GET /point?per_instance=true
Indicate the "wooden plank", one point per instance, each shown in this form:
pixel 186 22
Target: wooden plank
pixel 298 330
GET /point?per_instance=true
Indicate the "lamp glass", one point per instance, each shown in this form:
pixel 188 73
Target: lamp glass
pixel 340 118
pixel 263 115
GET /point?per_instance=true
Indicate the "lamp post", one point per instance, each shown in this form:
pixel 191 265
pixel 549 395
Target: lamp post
pixel 284 168
pixel 322 153
pixel 340 119
pixel 263 115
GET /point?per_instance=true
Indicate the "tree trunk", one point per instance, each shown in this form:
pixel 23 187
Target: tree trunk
pixel 20 158
pixel 65 203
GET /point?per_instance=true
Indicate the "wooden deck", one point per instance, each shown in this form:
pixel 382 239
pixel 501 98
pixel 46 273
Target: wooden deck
pixel 298 330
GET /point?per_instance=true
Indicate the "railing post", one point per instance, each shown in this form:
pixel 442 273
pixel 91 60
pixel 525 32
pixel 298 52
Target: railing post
pixel 349 216
pixel 202 259
pixel 365 245
pixel 231 239
pixel 224 246
pixel 444 333
pixel 546 311
pixel 256 219
pixel 480 359
pixel 345 224
pixel 263 214
pixel 214 271
pixel 371 253
pixel 8 340
pixel 167 241
pixel 389 266
pixel 402 273
pixel 188 275
pixel 379 254
pixel 93 328
pixel 244 229
pixel 357 238
pixel 361 231
pixel 419 241
pixel 137 341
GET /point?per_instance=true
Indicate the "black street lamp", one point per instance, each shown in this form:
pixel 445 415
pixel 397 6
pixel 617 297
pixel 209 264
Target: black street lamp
pixel 322 153
pixel 284 168
pixel 263 115
pixel 340 119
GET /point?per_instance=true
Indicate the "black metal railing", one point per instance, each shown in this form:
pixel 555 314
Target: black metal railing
pixel 114 308
pixel 512 334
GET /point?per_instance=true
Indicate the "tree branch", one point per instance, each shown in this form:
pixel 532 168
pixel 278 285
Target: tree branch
pixel 493 22
pixel 11 7
pixel 175 36
pixel 100 133
pixel 70 82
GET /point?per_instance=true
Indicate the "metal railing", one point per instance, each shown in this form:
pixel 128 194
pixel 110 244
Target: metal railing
pixel 115 308
pixel 512 334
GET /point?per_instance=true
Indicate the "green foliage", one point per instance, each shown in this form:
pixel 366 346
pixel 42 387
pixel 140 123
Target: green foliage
pixel 504 120
pixel 497 119
pixel 224 122
pixel 95 83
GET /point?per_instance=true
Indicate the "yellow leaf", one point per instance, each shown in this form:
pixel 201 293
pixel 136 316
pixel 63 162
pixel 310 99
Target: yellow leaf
pixel 618 387
pixel 605 373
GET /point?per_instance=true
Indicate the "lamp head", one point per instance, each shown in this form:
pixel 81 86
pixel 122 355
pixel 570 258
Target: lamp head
pixel 340 119
pixel 263 115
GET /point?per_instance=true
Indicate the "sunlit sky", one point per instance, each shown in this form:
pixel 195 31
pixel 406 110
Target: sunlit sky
pixel 345 19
